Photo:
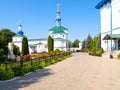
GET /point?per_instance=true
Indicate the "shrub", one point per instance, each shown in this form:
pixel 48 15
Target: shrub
pixel 53 61
pixel 118 56
pixel 99 52
pixel 4 75
pixel 57 51
pixel 34 67
pixel 20 71
pixel 42 64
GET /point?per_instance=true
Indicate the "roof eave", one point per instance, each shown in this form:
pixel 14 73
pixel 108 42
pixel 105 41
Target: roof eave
pixel 102 3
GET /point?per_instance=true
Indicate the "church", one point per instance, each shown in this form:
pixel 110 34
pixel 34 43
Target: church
pixel 110 24
pixel 58 33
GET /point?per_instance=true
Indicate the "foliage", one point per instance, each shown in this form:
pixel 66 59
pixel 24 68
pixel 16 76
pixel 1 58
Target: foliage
pixel 75 44
pixel 99 41
pixel 83 44
pixel 50 44
pixel 14 69
pixel 1 52
pixel 16 50
pixel 99 52
pixel 5 37
pixel 57 51
pixel 118 56
pixel 20 71
pixel 4 75
pixel 34 67
pixel 25 49
pixel 94 47
pixel 88 41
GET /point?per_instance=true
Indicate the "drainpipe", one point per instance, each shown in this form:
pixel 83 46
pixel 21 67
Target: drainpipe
pixel 111 27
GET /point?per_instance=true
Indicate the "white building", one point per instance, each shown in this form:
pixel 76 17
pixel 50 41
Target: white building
pixel 58 33
pixel 110 24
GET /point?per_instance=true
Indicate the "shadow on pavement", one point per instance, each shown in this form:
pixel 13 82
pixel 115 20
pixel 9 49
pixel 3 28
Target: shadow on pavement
pixel 25 80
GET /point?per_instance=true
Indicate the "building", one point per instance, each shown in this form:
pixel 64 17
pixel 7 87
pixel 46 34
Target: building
pixel 58 33
pixel 110 24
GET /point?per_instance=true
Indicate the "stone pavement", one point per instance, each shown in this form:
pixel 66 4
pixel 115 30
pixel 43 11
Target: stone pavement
pixel 79 72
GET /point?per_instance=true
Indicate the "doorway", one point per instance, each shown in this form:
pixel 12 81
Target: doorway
pixel 118 44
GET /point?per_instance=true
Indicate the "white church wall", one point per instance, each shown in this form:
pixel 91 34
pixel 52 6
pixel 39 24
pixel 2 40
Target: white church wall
pixel 19 45
pixel 16 39
pixel 105 23
pixel 116 14
pixel 63 36
pixel 105 18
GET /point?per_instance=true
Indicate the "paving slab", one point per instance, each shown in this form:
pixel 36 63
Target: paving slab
pixel 79 72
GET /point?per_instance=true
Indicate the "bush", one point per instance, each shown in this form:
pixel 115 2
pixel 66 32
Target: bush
pixel 118 56
pixel 99 52
pixel 57 51
pixel 33 68
pixel 20 71
pixel 53 61
pixel 5 75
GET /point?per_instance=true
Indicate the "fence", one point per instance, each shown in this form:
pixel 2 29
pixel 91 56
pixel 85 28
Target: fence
pixel 41 61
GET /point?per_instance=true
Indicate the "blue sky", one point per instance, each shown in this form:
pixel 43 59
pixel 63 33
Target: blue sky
pixel 38 16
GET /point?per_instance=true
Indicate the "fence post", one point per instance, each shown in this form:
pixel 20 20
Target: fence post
pixel 31 62
pixel 21 61
pixel 6 66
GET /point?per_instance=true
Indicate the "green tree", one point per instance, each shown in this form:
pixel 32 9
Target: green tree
pixel 16 50
pixel 50 44
pixel 83 44
pixel 88 41
pixel 25 48
pixel 93 45
pixel 5 37
pixel 75 44
pixel 99 41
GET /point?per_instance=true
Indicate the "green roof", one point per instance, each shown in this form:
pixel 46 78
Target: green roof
pixel 58 29
pixel 37 39
pixel 60 39
pixel 111 36
pixel 32 45
pixel 19 35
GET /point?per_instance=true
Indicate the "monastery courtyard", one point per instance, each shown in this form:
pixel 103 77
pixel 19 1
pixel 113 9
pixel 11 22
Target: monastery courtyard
pixel 79 72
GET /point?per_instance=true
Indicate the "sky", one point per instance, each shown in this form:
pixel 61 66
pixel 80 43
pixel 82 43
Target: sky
pixel 38 16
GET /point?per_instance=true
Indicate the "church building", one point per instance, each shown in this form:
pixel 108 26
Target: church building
pixel 58 33
pixel 110 24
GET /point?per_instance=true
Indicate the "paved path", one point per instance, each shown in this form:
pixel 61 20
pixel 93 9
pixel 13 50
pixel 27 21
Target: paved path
pixel 80 72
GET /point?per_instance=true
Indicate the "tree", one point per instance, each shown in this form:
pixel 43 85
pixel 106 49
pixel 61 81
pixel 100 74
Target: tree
pixel 99 41
pixel 75 44
pixel 5 37
pixel 87 44
pixel 83 44
pixel 50 44
pixel 25 48
pixel 16 50
pixel 93 45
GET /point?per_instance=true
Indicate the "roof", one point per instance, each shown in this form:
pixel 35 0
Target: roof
pixel 37 39
pixel 112 36
pixel 60 39
pixel 58 29
pixel 20 32
pixel 102 3
pixel 19 35
pixel 34 45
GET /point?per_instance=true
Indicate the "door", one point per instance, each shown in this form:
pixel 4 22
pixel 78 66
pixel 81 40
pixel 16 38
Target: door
pixel 118 44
